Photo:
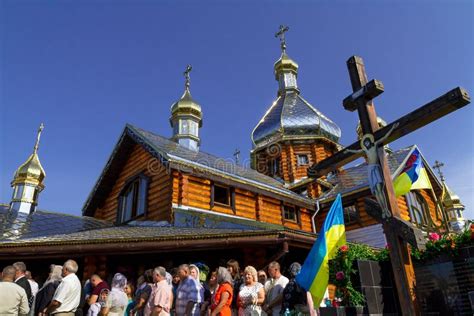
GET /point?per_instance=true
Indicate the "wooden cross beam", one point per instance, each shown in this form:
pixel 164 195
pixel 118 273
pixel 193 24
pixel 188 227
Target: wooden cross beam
pixel 396 231
pixel 445 104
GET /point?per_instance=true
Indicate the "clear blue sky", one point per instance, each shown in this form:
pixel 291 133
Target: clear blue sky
pixel 86 68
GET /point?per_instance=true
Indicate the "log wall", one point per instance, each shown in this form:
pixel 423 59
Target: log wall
pixel 290 171
pixel 189 190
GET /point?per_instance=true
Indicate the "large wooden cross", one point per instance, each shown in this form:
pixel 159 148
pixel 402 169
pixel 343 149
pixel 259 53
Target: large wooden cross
pixel 361 100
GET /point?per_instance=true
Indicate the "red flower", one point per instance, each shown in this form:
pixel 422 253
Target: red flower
pixel 387 246
pixel 434 237
pixel 344 248
pixel 340 275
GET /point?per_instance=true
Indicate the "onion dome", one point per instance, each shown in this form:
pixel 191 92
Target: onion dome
pixel 31 171
pixel 186 105
pixel 291 116
pixel 186 118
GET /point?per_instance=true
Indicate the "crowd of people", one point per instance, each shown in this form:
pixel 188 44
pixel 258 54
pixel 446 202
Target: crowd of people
pixel 188 290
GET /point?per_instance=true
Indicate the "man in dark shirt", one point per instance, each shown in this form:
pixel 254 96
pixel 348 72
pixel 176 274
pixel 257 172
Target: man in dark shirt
pixel 21 280
pixel 97 286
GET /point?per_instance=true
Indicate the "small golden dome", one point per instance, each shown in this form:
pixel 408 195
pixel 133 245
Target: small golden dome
pixel 450 199
pixel 381 123
pixel 285 64
pixel 186 105
pixel 31 171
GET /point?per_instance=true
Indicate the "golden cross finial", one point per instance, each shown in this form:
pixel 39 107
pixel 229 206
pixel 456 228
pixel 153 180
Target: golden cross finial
pixel 281 34
pixel 438 166
pixel 186 75
pixel 40 129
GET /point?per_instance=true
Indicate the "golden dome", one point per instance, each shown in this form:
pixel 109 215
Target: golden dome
pixel 380 122
pixel 450 199
pixel 31 171
pixel 285 64
pixel 186 105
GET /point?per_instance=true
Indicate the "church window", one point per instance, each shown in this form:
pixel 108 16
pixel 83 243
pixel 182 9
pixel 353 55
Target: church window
pixel 418 208
pixel 193 127
pixel 18 192
pixel 184 128
pixel 290 213
pixel 133 199
pixel 302 160
pixel 221 195
pixel 274 167
pixel 351 215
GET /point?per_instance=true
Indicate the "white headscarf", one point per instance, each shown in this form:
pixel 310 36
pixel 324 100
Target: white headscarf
pixel 117 296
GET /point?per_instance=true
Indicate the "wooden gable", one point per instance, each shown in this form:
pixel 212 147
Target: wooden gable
pixel 159 192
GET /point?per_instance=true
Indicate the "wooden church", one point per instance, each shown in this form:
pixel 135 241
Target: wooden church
pixel 162 200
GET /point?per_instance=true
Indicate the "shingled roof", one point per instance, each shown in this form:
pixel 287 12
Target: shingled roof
pixel 175 156
pixel 42 224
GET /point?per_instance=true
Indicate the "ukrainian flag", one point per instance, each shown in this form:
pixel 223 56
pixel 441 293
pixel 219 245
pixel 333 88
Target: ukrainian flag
pixel 413 175
pixel 314 275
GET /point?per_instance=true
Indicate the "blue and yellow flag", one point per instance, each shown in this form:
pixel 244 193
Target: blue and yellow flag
pixel 413 172
pixel 314 275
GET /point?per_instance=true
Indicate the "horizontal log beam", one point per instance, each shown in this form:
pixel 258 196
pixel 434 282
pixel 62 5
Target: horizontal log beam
pixel 445 104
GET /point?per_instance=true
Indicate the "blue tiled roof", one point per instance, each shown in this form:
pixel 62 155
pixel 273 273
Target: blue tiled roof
pixel 42 224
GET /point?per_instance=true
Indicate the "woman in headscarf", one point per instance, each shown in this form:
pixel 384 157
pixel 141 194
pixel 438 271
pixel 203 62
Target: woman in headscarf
pixel 46 293
pixel 203 292
pixel 117 300
pixel 222 298
pixel 295 298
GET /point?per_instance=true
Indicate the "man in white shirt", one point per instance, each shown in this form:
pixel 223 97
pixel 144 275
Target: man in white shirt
pixel 274 289
pixel 12 296
pixel 33 284
pixel 68 294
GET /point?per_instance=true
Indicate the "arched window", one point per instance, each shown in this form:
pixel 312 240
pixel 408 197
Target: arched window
pixel 133 199
pixel 418 208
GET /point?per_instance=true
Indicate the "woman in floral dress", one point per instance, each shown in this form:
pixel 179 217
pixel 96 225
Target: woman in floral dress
pixel 251 294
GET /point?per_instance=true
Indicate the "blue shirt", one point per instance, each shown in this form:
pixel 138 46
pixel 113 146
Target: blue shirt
pixel 189 290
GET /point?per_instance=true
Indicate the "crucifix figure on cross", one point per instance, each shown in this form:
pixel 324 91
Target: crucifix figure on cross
pixel 376 184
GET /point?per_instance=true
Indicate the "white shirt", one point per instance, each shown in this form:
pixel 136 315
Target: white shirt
pixel 34 287
pixel 68 294
pixel 13 299
pixel 273 288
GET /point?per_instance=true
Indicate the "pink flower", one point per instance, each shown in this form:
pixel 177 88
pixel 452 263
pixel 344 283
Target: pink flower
pixel 387 246
pixel 434 237
pixel 344 248
pixel 340 275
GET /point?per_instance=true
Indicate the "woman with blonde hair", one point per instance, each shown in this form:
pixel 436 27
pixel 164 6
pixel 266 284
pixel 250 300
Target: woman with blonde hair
pixel 222 298
pixel 251 294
